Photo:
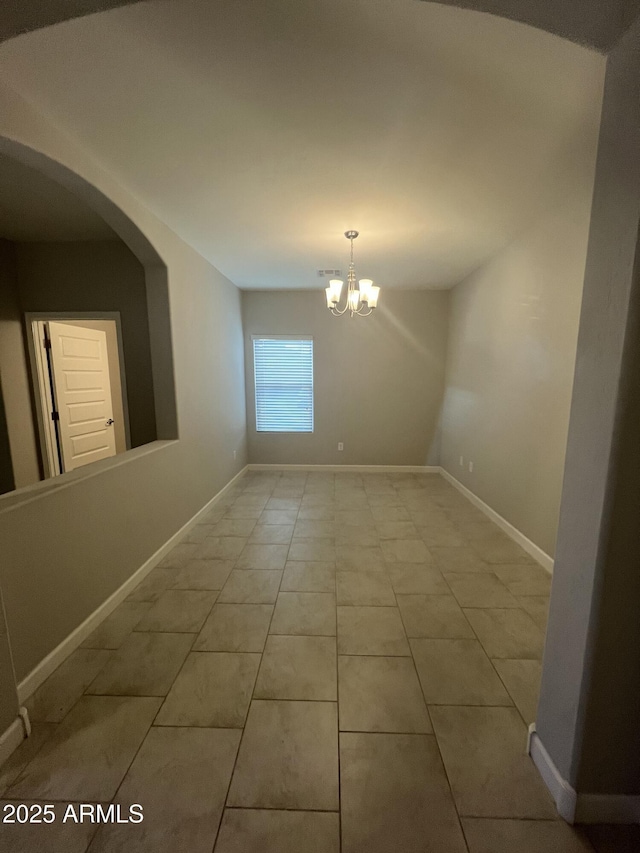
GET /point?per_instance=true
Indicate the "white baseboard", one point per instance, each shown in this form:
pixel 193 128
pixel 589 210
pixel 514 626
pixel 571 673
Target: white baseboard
pixel 580 808
pixel 11 739
pixel 352 469
pixel 530 547
pixel 563 794
pixel 52 661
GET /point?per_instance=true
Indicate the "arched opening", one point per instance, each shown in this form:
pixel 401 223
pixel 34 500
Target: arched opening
pixel 85 348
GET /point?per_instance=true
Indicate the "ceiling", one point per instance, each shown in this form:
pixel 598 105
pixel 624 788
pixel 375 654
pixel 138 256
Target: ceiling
pixel 260 132
pixel 35 208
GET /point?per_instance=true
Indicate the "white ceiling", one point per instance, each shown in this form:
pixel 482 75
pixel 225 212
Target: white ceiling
pixel 34 208
pixel 260 131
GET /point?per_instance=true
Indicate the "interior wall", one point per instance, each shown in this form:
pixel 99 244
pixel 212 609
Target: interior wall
pixel 511 356
pixel 14 377
pixel 129 509
pixel 97 276
pixel 378 381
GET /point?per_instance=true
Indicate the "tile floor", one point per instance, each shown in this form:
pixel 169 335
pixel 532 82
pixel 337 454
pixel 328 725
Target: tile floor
pixel 326 662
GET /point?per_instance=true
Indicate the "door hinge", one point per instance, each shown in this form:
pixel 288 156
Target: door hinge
pixel 55 416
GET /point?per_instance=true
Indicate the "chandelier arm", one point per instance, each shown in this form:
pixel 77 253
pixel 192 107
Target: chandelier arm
pixel 362 314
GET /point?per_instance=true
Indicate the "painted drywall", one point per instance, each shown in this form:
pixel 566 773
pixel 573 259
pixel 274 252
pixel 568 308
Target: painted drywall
pixel 14 376
pixel 97 276
pixel 590 693
pixel 378 380
pixel 511 355
pixel 51 578
pixel 113 360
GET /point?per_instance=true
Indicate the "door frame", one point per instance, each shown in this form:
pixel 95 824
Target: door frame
pixel 42 385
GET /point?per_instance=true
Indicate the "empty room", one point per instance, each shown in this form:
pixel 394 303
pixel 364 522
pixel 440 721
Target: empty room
pixel 319 471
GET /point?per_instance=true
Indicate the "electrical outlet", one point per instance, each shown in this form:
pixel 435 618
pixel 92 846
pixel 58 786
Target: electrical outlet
pixel 461 461
pixel 340 445
pixel 470 466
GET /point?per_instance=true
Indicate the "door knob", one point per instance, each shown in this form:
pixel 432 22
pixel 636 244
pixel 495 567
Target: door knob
pixel 110 421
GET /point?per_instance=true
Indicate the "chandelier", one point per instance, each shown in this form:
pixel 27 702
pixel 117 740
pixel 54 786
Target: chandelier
pixel 362 298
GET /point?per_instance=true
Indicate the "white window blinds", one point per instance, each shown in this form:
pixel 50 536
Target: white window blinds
pixel 283 370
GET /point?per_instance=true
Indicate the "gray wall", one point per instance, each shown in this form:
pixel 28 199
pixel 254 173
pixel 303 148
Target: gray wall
pixel 589 711
pixel 512 343
pixel 51 578
pixel 378 380
pixel 14 376
pixel 97 276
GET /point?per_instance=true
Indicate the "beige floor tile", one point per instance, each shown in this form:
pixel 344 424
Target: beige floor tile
pixel 298 668
pixel 311 499
pixel 145 665
pixel 271 534
pixel 288 757
pixel 221 548
pixel 458 559
pixel 355 557
pixel 405 551
pixel 152 587
pixel 244 511
pixel 364 537
pixel 477 589
pixel 371 631
pixel 263 557
pixel 441 536
pixel 233 527
pixel 433 616
pixel 198 533
pixel 283 504
pixel 309 577
pixel 500 549
pixel 178 610
pixel 257 500
pixel 313 529
pixel 522 680
pixel 364 588
pixel 614 839
pixel 316 513
pixel 11 769
pixel 203 574
pixel 355 518
pixel 507 633
pixel 537 606
pixel 308 613
pixel 457 672
pixel 524 580
pixel 395 795
pixel 396 530
pixel 235 628
pixel 416 579
pixel 90 751
pixel 246 586
pixel 523 836
pixel 278 516
pixel 484 752
pixel 56 837
pixel 317 550
pixel 386 514
pixel 380 694
pixel 115 629
pixel 212 689
pixel 58 694
pixel 181 776
pixel 273 831
pixel 179 556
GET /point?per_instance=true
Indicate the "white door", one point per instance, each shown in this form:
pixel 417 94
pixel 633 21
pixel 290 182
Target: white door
pixel 80 371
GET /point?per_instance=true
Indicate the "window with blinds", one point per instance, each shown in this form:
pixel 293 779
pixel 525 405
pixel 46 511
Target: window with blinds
pixel 283 370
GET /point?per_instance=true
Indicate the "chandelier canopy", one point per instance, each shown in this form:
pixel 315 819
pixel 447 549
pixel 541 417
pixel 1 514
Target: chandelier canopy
pixel 362 297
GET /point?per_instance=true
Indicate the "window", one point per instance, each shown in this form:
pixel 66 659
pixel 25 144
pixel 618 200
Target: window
pixel 283 370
